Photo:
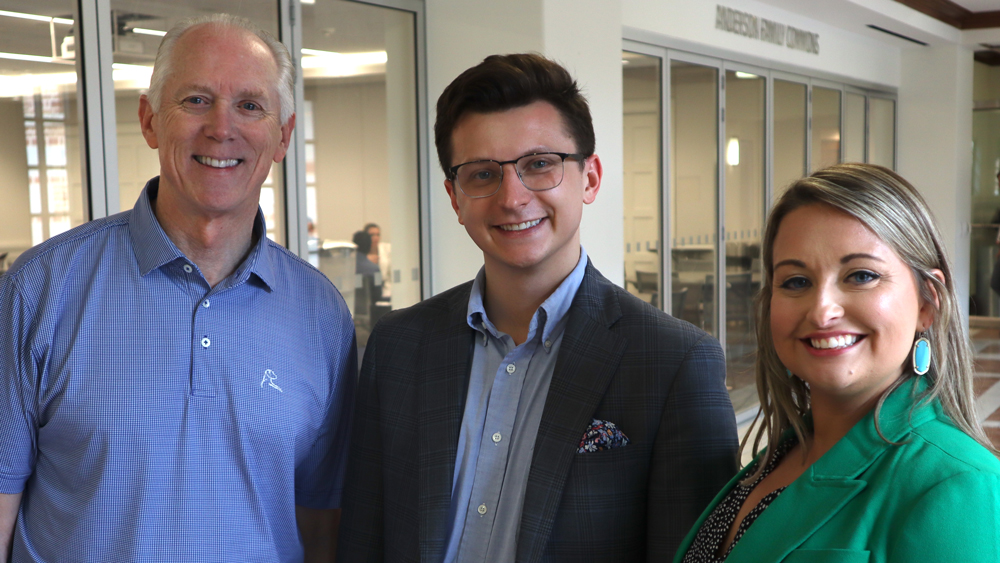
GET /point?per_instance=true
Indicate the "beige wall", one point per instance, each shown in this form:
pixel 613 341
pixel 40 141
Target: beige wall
pixel 352 183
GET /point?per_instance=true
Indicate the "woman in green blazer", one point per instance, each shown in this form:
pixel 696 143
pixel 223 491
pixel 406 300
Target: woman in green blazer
pixel 864 372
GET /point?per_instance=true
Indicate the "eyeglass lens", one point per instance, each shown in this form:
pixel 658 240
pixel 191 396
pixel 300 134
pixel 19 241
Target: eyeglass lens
pixel 537 172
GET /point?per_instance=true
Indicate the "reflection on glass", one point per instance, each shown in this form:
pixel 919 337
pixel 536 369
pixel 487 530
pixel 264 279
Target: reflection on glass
pixel 825 127
pixel 360 125
pixel 140 29
pixel 42 193
pixel 694 109
pixel 854 128
pixel 789 134
pixel 641 122
pixel 882 132
pixel 745 101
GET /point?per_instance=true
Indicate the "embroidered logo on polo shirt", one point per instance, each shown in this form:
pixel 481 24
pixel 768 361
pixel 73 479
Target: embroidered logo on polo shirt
pixel 269 377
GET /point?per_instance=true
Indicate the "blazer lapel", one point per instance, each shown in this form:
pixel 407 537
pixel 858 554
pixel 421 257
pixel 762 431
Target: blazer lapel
pixel 816 497
pixel 442 382
pixel 588 358
pixel 796 514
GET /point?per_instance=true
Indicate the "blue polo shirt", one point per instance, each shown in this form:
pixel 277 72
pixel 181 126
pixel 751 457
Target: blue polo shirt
pixel 149 417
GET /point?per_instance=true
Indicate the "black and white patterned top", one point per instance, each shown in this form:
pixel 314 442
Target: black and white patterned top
pixel 706 544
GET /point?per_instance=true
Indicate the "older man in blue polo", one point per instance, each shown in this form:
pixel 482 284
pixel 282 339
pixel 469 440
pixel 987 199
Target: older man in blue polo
pixel 173 385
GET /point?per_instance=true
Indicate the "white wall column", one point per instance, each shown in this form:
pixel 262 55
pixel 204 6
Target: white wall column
pixel 935 143
pixel 585 36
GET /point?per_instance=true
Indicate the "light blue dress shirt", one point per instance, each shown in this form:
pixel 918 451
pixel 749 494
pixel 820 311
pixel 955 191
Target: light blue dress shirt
pixel 149 417
pixel 508 386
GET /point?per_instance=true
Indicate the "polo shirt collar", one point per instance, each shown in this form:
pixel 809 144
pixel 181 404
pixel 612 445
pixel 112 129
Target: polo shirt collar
pixel 154 249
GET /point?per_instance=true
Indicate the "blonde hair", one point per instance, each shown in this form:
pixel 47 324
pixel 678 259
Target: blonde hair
pixel 894 210
pixel 163 65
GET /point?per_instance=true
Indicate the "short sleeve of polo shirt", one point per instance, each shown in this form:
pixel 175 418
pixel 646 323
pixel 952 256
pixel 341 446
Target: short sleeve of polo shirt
pixel 319 479
pixel 18 428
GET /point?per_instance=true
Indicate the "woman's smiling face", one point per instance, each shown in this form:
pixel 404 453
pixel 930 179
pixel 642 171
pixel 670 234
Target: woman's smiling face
pixel 844 307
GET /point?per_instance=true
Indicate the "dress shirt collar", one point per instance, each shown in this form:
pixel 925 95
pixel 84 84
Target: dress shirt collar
pixel 154 249
pixel 548 315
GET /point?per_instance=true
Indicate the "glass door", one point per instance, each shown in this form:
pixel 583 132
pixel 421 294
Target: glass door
pixel 361 171
pixel 790 126
pixel 642 95
pixel 694 181
pixel 42 191
pixel 825 127
pixel 882 132
pixel 854 127
pixel 744 187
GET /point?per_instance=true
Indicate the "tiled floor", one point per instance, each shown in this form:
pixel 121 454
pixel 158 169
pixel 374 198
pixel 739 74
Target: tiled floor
pixel 986 344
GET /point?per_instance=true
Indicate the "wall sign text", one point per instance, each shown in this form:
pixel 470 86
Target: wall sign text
pixel 762 29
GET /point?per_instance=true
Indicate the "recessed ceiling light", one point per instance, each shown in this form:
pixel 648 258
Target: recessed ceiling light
pixel 144 31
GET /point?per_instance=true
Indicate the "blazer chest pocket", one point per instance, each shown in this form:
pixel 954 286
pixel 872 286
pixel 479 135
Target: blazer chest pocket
pixel 827 556
pixel 625 468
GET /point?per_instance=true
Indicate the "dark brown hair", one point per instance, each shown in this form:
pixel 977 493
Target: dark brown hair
pixel 503 82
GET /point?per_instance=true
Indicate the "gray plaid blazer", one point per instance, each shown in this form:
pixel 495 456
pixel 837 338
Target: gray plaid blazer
pixel 660 380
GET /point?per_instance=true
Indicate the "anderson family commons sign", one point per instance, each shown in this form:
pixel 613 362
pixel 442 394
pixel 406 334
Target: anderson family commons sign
pixel 756 27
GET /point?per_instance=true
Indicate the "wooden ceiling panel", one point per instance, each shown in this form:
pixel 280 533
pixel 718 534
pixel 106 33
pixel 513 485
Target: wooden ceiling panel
pixel 953 14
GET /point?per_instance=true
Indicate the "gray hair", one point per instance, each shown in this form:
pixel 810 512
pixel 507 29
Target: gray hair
pixel 163 65
pixel 893 209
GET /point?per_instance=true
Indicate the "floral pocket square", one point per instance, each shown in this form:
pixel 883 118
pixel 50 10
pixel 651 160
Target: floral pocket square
pixel 602 435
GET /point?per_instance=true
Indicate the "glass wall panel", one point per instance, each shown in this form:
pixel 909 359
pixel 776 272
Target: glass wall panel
pixel 985 210
pixel 694 147
pixel 744 188
pixel 790 100
pixel 825 127
pixel 854 128
pixel 42 192
pixel 882 132
pixel 139 26
pixel 362 174
pixel 642 94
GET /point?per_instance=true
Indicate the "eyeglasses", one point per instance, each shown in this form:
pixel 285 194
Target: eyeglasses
pixel 538 172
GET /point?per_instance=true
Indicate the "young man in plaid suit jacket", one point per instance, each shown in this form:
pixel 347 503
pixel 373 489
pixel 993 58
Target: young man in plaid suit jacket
pixel 539 412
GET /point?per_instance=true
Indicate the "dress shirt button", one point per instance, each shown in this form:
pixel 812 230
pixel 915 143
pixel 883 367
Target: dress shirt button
pixel 482 509
pixel 206 303
pixel 497 437
pixel 188 268
pixel 205 342
pixel 510 368
pixel 548 343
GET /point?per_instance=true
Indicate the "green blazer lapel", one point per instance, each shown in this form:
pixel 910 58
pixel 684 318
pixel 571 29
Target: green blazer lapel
pixel 589 356
pixel 831 482
pixel 796 514
pixel 442 383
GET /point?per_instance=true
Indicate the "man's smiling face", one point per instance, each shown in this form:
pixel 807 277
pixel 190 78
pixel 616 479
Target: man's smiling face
pixel 516 228
pixel 218 126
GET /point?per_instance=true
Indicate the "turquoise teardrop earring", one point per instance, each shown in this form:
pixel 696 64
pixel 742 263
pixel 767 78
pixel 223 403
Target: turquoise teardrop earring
pixel 921 355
